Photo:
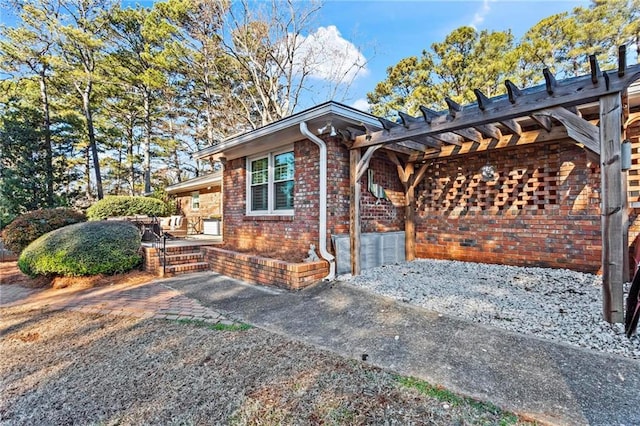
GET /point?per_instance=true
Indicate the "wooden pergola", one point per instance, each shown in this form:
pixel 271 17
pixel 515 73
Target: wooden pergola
pixel 494 123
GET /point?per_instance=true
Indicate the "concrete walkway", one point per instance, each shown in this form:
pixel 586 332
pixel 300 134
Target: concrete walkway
pixel 549 382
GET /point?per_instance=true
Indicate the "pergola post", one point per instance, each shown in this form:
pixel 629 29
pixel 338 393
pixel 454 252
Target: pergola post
pixel 613 209
pixel 410 180
pixel 410 215
pixel 354 211
pixel 410 223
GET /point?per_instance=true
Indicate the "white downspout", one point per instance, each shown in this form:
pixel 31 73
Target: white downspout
pixel 322 229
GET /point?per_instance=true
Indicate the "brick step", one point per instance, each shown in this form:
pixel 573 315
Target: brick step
pixel 186 258
pixel 182 250
pixel 186 268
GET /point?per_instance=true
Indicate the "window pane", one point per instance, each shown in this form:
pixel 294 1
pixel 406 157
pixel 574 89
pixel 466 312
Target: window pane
pixel 259 197
pixel 259 170
pixel 283 166
pixel 284 195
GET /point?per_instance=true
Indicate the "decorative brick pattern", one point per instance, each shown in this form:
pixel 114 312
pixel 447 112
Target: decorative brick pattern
pixel 542 209
pixel 261 270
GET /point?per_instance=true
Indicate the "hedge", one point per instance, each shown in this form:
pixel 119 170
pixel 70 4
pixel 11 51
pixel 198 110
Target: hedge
pixel 89 248
pixel 123 205
pixel 28 227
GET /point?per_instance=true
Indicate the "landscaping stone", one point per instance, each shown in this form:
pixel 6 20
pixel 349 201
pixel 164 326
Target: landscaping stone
pixel 556 304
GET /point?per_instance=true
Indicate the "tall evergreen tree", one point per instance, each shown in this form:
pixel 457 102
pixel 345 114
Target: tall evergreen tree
pixel 29 51
pixel 82 47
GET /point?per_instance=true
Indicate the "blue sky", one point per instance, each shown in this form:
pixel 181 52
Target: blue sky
pixel 387 31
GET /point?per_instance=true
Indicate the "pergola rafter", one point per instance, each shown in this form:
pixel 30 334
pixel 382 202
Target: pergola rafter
pixel 495 123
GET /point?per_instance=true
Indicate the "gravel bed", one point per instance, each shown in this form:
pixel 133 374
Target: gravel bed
pixel 556 304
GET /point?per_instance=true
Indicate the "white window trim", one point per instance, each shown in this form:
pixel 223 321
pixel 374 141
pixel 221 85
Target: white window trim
pixel 270 184
pixel 192 198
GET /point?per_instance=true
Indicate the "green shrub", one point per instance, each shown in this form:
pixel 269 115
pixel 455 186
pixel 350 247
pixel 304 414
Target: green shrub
pixel 123 205
pixel 30 226
pixel 90 248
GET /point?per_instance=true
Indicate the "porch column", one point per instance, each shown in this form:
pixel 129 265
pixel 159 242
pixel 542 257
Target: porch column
pixel 613 209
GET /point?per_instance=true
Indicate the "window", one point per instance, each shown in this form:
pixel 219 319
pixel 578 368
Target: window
pixel 195 200
pixel 270 184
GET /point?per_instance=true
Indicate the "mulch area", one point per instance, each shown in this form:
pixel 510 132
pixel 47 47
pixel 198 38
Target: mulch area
pixel 10 274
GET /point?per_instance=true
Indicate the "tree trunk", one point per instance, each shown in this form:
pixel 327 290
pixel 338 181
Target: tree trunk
pixel 46 130
pixel 132 169
pixel 86 105
pixel 146 166
pixel 87 166
pixel 174 152
pixel 209 109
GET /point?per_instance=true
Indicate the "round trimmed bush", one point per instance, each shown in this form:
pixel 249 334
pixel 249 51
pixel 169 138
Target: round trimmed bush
pixel 124 205
pixel 89 248
pixel 28 227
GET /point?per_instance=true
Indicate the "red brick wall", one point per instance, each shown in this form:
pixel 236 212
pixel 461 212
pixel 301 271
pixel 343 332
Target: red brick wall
pixel 382 215
pixel 541 210
pixel 260 270
pixel 281 234
pixel 209 202
pixel 293 234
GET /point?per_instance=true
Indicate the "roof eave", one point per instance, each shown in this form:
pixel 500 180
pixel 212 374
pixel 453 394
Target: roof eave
pixel 287 122
pixel 212 179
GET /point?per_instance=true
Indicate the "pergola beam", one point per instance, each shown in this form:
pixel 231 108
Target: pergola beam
pixel 506 141
pixel 363 163
pixel 578 128
pixel 518 103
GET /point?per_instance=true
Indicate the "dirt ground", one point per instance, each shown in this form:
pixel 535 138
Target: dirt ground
pixel 71 368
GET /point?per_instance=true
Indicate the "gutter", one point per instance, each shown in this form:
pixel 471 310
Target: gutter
pixel 322 228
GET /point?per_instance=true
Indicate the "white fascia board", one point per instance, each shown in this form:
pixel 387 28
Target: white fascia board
pixel 212 179
pixel 317 112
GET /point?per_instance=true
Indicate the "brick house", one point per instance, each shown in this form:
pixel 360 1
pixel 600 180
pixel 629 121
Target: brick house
pixel 540 208
pixel 536 177
pixel 199 200
pixel 272 184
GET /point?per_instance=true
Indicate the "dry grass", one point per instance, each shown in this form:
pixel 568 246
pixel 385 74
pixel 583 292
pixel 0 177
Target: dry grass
pixel 11 275
pixel 75 368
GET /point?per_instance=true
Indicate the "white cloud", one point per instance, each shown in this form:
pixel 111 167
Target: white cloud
pixel 362 104
pixel 479 16
pixel 326 55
